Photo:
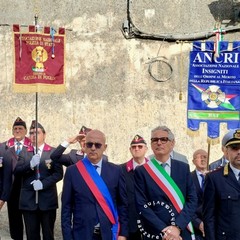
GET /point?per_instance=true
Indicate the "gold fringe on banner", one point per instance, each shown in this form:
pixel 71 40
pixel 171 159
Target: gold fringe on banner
pixel 39 60
pixel 193 133
pixel 213 141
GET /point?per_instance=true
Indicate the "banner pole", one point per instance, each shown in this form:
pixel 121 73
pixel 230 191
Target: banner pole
pixel 209 148
pixel 36 117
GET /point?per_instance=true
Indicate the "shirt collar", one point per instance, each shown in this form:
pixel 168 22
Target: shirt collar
pixel 22 141
pixel 168 162
pixel 99 164
pixel 135 164
pixel 235 170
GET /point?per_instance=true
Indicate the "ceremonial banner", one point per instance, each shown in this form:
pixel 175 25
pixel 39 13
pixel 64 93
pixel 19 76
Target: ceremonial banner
pixel 39 60
pixel 214 87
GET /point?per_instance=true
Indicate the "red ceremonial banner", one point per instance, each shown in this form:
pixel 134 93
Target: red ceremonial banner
pixel 39 60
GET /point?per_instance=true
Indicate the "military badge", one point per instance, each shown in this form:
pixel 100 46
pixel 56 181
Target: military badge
pixel 237 134
pixel 1 162
pixel 48 163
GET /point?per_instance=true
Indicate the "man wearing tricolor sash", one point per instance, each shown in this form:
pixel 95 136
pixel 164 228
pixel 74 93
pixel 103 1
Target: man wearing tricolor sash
pixel 94 199
pixel 164 191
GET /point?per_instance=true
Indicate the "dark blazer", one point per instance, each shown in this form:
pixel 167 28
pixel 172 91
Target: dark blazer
pixel 11 184
pixel 80 210
pixel 50 173
pixel 155 218
pixel 221 205
pixel 218 163
pixel 70 158
pixel 198 218
pixel 128 172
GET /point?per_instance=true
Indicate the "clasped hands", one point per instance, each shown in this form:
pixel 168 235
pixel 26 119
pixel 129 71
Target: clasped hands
pixel 171 233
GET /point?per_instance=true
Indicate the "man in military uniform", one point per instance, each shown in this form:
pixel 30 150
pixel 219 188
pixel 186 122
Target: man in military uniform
pixel 74 155
pixel 11 183
pixel 38 198
pixel 221 199
pixel 138 149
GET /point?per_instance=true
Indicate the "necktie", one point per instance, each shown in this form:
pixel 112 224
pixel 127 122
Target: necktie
pixel 18 150
pixel 164 165
pixel 239 178
pixel 203 180
pixel 97 219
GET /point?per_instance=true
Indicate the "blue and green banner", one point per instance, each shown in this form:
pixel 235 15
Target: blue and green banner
pixel 214 87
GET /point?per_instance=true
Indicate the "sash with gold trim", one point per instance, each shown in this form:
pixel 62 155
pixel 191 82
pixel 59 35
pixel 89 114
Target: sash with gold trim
pixel 100 192
pixel 167 184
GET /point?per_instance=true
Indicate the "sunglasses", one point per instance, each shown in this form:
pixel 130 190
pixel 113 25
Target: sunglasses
pixel 163 140
pixel 90 144
pixel 136 146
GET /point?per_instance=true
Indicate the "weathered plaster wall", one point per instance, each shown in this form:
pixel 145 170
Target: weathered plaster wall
pixel 108 84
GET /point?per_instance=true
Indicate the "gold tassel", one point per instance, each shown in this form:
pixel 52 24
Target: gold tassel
pixel 192 133
pixel 213 141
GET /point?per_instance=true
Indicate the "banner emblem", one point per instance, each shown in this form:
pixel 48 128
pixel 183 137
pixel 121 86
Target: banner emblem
pixel 39 60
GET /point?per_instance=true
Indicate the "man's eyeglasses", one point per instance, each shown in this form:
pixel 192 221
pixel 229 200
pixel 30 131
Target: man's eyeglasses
pixel 136 146
pixel 90 144
pixel 163 140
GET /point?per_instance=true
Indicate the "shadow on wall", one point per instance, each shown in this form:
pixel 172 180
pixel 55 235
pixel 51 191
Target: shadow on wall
pixel 226 11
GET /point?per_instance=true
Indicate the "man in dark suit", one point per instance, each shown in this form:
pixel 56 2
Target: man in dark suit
pixel 12 184
pixel 223 160
pixel 38 198
pixel 94 200
pixel 198 175
pixel 138 149
pixel 221 199
pixel 165 194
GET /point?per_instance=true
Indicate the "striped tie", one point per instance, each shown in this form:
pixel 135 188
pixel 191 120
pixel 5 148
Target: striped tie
pixel 18 150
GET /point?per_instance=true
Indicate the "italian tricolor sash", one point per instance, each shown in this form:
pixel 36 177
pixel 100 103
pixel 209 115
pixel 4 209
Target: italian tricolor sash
pixel 167 184
pixel 100 192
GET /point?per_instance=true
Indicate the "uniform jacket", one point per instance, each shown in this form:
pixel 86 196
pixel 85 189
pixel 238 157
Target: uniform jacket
pixel 68 159
pixel 198 218
pixel 221 205
pixel 128 172
pixel 80 209
pixel 11 184
pixel 50 174
pixel 218 163
pixel 155 218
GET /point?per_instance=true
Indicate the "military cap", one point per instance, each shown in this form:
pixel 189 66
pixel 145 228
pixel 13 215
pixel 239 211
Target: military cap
pixel 232 137
pixel 19 122
pixel 138 139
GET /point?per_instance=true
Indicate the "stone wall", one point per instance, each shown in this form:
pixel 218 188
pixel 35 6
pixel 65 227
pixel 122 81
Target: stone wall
pixel 107 78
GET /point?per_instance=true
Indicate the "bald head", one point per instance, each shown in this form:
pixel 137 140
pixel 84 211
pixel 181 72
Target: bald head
pixel 200 158
pixel 95 145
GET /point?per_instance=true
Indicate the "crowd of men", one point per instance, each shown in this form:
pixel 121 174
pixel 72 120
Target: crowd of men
pixel 147 197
